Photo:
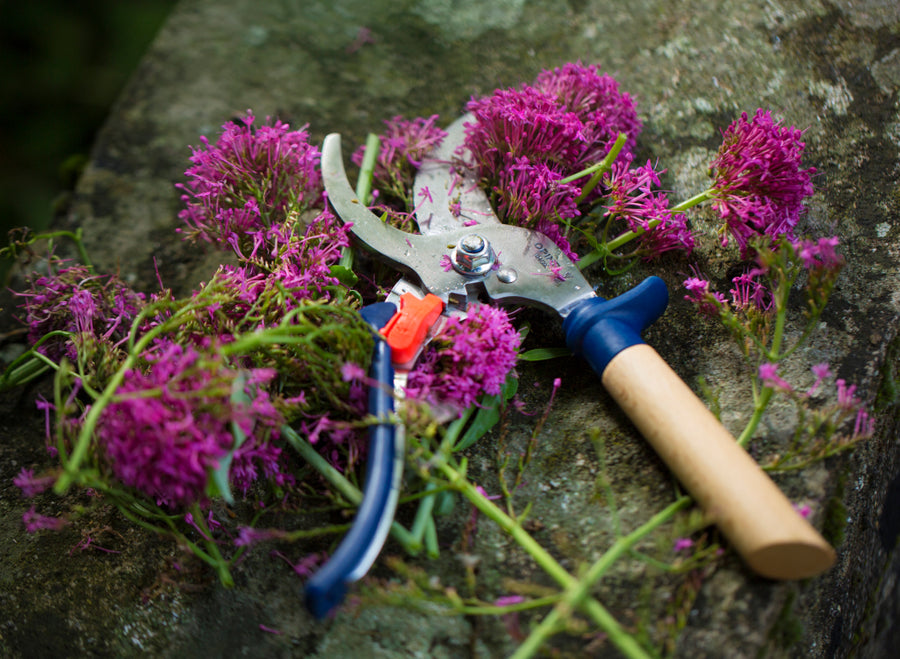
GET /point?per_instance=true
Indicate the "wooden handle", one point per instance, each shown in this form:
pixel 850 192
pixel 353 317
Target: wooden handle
pixel 729 485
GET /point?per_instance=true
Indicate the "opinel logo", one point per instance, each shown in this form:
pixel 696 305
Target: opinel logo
pixel 549 262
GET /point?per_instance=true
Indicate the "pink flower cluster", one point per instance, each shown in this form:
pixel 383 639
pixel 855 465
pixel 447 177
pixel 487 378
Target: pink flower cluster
pixel 249 180
pixel 633 197
pixel 569 118
pixel 403 145
pixel 80 303
pixel 707 301
pixel 595 99
pixel 172 423
pixel 300 272
pixel 759 183
pixel 468 357
pixel 527 142
pixel 848 404
pixel 820 255
pixel 749 293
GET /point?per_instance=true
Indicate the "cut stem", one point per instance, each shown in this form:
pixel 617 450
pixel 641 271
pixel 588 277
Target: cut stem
pixel 576 594
pixel 624 641
pixel 412 545
pixel 628 236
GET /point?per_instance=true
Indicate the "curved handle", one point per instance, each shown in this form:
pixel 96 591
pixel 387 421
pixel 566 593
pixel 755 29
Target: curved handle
pixel 325 590
pixel 746 505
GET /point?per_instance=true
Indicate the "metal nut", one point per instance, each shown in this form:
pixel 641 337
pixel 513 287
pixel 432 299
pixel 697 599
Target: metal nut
pixel 473 255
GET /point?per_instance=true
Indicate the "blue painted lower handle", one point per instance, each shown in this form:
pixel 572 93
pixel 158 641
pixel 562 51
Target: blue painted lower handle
pixel 599 329
pixel 326 589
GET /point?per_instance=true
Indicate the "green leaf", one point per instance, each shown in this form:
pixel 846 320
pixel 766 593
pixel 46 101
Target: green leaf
pixel 218 478
pixel 344 275
pixel 488 414
pixel 444 502
pixel 543 354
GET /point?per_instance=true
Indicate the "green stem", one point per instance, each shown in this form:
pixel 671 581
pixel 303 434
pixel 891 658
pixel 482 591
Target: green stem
pixel 575 595
pixel 589 259
pixel 423 513
pixel 628 236
pixel 431 539
pixel 756 417
pixel 511 608
pixel 19 373
pixel 690 202
pixel 367 169
pixel 345 487
pixel 777 334
pixel 218 561
pixel 75 237
pixel 31 363
pixel 597 170
pixel 622 639
pixel 773 354
pixel 363 187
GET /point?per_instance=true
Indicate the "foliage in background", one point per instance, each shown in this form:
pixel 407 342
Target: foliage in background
pixel 63 65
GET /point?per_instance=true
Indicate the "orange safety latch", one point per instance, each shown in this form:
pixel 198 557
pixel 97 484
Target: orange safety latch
pixel 406 331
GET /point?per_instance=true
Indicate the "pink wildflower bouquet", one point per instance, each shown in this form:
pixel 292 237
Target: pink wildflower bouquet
pixel 255 385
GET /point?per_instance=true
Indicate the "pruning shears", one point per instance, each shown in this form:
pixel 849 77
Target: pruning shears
pixel 464 253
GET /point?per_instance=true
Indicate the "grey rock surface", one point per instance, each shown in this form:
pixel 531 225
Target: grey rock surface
pixel 830 67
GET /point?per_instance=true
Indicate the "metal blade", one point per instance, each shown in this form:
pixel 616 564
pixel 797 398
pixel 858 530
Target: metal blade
pixel 414 254
pixel 531 269
pixel 447 196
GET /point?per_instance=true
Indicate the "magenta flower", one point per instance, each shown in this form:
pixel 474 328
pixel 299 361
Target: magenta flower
pixel 821 371
pixel 306 565
pixel 707 302
pixel 351 371
pixel 32 485
pixel 529 192
pixel 864 425
pixel 470 356
pixel 250 179
pixel 76 301
pixel 768 373
pixel 35 522
pixel 846 395
pixel 170 425
pixel 281 271
pixel 759 183
pixel 403 145
pixel 682 544
pixel 596 100
pixel 522 123
pixel 249 536
pixel 525 142
pixel 632 198
pixel 750 293
pixel 304 264
pixel 820 254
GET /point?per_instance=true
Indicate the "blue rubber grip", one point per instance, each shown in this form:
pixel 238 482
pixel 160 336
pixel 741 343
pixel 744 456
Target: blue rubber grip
pixel 599 329
pixel 326 589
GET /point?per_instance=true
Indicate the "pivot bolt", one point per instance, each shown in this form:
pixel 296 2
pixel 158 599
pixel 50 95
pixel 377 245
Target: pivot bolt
pixel 473 255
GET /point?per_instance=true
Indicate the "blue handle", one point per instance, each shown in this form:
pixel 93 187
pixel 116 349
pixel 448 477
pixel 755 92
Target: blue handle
pixel 326 589
pixel 599 329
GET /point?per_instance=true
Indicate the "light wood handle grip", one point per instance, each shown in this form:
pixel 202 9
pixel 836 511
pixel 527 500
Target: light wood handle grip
pixel 749 509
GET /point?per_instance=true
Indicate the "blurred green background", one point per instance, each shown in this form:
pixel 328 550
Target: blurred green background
pixel 62 65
